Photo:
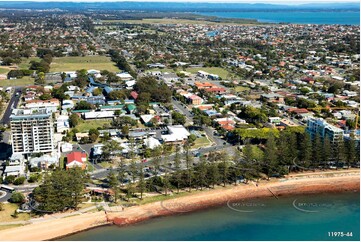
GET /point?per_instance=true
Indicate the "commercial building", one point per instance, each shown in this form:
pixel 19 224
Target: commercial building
pixel 32 131
pixel 177 134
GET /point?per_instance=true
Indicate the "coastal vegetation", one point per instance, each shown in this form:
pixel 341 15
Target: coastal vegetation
pixel 60 191
pixel 276 156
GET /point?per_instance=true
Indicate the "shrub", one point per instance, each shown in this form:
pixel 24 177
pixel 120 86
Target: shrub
pixel 19 180
pixel 10 179
pixel 17 197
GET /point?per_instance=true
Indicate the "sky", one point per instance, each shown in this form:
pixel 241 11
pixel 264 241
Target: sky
pixel 287 2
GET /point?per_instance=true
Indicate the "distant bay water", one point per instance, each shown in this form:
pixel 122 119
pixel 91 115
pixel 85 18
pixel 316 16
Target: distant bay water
pixel 351 17
pixel 304 217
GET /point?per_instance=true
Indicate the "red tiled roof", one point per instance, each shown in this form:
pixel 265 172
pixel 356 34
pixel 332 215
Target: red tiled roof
pixel 134 94
pixel 193 97
pixel 228 127
pixel 226 122
pixel 75 156
pixel 298 110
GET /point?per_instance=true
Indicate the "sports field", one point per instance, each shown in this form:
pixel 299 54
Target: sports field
pixel 87 62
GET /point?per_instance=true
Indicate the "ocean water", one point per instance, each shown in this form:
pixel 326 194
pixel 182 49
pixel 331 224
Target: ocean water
pixel 311 217
pixel 296 17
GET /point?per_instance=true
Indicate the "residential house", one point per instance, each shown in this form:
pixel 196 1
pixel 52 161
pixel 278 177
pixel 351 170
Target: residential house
pixel 76 159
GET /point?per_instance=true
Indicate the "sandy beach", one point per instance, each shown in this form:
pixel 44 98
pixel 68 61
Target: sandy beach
pixel 291 185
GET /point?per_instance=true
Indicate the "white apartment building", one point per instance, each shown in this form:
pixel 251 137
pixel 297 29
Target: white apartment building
pixel 321 127
pixel 32 131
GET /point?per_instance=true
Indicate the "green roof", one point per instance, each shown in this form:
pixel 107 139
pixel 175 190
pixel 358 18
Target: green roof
pixel 119 106
pixel 131 107
pixel 81 111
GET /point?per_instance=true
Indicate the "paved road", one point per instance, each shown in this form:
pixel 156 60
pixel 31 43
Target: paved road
pixel 178 106
pixel 209 131
pixel 5 197
pixel 13 103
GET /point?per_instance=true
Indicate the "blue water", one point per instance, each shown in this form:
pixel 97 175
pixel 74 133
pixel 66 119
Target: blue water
pixel 296 17
pixel 262 219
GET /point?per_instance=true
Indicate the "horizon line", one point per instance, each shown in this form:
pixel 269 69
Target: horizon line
pixel 271 2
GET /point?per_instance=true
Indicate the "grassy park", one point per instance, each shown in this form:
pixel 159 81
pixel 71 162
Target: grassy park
pixel 8 210
pixel 87 62
pixel 26 80
pixel 25 62
pixel 85 126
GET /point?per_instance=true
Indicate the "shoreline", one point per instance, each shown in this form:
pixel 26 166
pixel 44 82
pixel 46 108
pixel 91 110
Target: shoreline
pixel 207 199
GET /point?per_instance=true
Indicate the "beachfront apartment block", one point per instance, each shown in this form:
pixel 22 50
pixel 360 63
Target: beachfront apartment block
pixel 322 128
pixel 32 131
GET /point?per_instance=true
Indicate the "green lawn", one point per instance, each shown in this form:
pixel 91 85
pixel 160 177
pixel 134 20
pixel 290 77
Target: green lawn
pixel 87 62
pixel 25 62
pixel 3 70
pixel 86 125
pixel 106 164
pixel 201 142
pixel 241 89
pixel 9 208
pixel 90 167
pixel 211 70
pixel 25 81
